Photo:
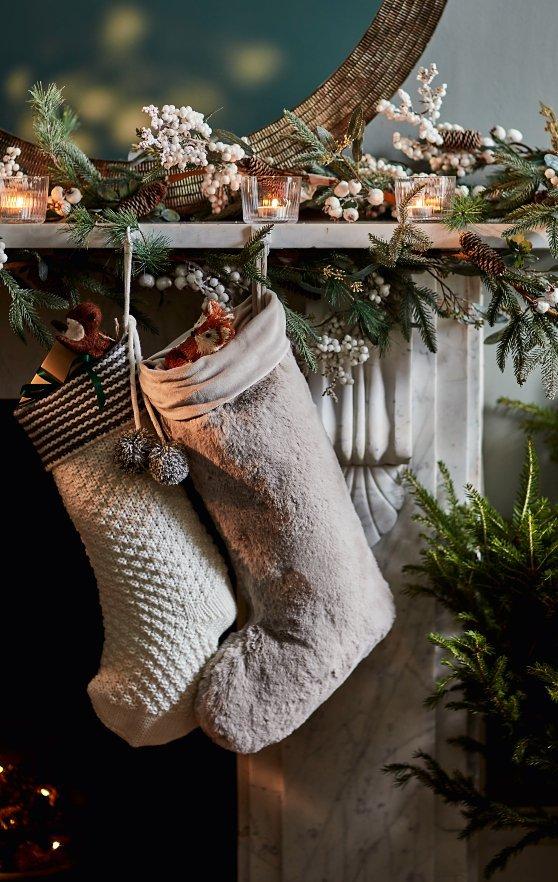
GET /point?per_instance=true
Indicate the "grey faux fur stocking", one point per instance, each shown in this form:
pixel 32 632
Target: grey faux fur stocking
pixel 260 458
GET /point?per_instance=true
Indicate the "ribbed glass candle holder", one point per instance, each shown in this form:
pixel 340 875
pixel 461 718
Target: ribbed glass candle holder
pixel 431 201
pixel 270 200
pixel 23 200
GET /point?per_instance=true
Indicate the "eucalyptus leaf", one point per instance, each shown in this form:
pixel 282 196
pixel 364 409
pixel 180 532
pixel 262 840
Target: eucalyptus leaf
pixel 551 160
pixel 170 216
pixel 326 138
pixel 355 132
pixel 42 269
pixel 117 188
pixel 231 138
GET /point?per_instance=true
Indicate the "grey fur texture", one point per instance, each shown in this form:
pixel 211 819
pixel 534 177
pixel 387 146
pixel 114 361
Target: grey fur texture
pixel 318 603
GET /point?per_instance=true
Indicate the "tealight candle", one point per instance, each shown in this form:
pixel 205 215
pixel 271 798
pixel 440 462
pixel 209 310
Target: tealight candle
pixel 272 208
pixel 23 200
pixel 431 201
pixel 275 199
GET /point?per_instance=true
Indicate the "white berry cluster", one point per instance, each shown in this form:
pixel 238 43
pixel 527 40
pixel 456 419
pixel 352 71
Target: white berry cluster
pixel 463 190
pixel 511 136
pixel 348 197
pixel 428 145
pixel 190 275
pixel 550 298
pixel 337 353
pixel 61 200
pixel 181 138
pixel 222 177
pixel 178 135
pixel 377 288
pixel 369 164
pixel 3 255
pixel 9 167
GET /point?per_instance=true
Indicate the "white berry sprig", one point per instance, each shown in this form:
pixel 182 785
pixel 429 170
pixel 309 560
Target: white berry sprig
pixel 337 352
pixel 182 140
pixel 428 145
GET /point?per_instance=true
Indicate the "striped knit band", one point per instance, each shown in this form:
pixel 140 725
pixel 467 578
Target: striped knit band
pixel 70 418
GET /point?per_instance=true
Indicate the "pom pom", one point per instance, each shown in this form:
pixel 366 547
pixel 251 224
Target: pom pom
pixel 168 463
pixel 132 451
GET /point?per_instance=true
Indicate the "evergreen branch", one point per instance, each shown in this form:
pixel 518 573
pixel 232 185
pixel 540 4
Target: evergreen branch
pixel 372 322
pixel 80 224
pixel 467 210
pixel 423 306
pixel 301 334
pixel 151 254
pixel 53 126
pixel 23 312
pixel 528 486
pixel 501 860
pixel 536 419
pixel 303 132
pixel 498 579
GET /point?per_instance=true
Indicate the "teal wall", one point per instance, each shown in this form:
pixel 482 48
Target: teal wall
pixel 252 58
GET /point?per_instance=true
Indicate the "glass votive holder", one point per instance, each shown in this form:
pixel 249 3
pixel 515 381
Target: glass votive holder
pixel 431 201
pixel 23 200
pixel 274 199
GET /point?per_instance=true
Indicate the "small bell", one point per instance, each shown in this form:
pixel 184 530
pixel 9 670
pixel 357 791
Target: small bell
pixel 168 463
pixel 132 449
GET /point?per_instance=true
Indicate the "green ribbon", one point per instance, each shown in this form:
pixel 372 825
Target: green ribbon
pixel 86 360
pixel 36 391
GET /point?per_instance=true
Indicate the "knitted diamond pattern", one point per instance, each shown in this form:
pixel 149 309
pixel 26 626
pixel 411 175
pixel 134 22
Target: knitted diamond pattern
pixel 163 589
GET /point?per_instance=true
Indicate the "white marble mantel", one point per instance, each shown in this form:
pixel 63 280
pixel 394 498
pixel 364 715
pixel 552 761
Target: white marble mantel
pixel 317 808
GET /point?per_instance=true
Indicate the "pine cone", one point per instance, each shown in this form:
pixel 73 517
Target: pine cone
pixel 253 165
pixel 467 141
pixel 144 200
pixel 481 255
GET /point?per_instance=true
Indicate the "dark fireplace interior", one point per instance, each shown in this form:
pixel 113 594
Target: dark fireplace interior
pixel 136 813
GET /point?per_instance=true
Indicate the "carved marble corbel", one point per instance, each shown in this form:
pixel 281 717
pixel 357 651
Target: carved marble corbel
pixel 370 428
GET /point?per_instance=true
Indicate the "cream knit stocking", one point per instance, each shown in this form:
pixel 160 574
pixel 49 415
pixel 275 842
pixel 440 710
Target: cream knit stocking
pixel 163 585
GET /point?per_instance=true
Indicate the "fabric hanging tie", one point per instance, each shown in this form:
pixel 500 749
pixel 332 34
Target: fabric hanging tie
pixel 138 450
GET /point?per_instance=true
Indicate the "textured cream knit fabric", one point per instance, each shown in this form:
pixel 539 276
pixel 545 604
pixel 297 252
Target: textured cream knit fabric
pixel 163 585
pixel 164 593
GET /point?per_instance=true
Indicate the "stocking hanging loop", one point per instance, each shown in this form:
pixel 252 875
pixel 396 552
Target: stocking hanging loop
pixel 128 254
pixel 138 450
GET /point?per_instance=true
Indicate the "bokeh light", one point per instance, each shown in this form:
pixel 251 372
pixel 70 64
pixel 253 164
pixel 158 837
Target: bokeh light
pixel 245 61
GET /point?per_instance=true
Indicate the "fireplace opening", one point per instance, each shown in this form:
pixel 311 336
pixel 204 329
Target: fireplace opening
pixel 135 813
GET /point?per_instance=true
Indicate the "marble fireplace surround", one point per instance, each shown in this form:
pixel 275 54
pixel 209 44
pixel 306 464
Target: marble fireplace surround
pixel 317 807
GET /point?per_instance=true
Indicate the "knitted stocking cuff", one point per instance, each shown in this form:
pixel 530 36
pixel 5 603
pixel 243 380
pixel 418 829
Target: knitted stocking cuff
pixel 70 418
